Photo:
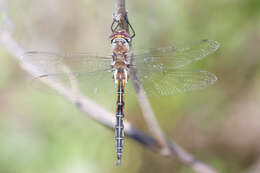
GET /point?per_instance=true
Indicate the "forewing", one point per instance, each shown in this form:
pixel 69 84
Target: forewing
pixel 90 73
pixel 52 63
pixel 174 57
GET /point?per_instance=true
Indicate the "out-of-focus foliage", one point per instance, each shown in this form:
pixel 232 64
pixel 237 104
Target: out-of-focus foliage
pixel 42 132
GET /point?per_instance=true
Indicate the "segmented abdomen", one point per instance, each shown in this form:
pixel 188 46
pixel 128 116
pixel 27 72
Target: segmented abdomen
pixel 119 128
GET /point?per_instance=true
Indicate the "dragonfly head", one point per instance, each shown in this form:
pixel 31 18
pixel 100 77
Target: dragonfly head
pixel 120 41
pixel 120 34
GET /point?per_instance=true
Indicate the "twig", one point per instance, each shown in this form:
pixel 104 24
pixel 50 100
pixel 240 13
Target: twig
pixel 120 16
pixel 148 114
pixel 89 107
pixel 255 167
pixel 167 147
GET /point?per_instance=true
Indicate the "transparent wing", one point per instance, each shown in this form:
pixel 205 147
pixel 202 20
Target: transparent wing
pixel 159 69
pixel 92 73
pixel 172 82
pixel 174 57
pixel 48 63
pixel 53 65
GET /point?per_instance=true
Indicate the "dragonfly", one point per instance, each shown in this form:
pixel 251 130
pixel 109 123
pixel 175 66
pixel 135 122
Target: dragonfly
pixel 159 70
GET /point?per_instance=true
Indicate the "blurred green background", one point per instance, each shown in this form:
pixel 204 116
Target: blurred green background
pixel 42 132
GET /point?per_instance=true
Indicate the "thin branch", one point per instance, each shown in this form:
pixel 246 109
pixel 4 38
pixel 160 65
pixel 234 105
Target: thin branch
pixel 120 7
pixel 120 14
pixel 148 114
pixel 90 108
pixel 147 111
pixel 255 167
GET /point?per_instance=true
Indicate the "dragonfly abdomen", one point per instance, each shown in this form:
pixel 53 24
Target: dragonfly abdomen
pixel 119 128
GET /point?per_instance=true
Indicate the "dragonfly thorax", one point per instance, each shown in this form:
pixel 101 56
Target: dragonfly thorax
pixel 120 47
pixel 120 70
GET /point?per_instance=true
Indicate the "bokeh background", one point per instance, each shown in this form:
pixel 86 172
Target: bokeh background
pixel 42 132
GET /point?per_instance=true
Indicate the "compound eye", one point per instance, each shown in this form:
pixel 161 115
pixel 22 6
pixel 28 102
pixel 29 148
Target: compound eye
pixel 115 41
pixel 123 41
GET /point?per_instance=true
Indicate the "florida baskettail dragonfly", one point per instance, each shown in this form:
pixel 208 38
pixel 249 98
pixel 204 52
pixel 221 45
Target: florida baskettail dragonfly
pixel 160 70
